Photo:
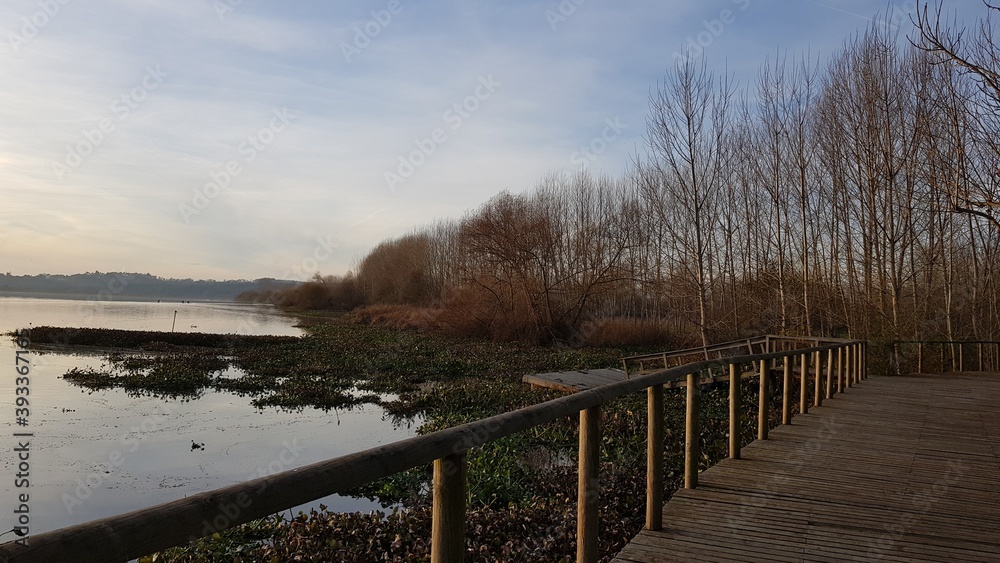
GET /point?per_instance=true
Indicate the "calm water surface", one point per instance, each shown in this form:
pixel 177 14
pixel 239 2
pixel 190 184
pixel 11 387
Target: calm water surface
pixel 101 453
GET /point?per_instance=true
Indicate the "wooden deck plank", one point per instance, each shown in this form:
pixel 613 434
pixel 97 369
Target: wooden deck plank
pixel 573 381
pixel 902 468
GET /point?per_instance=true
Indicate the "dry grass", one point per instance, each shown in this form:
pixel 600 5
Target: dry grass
pixel 397 316
pixel 621 331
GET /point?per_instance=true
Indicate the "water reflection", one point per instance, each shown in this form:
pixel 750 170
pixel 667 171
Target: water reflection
pixel 100 453
pixel 224 318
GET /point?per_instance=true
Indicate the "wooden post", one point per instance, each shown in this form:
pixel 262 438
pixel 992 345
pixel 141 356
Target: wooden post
pixel 840 369
pixel 818 388
pixel 961 357
pixel 448 509
pixel 854 364
pixel 692 453
pixel 804 386
pixel 864 360
pixel 848 366
pixel 852 357
pixel 735 418
pixel 654 458
pixel 762 411
pixel 920 357
pixel 588 491
pixel 858 360
pixel 786 393
pixel 980 348
pixel 829 373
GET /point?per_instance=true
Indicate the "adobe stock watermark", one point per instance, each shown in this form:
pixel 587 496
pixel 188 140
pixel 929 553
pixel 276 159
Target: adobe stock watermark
pixel 225 7
pixel 561 13
pixel 321 253
pixel 89 307
pixel 612 131
pixel 130 442
pixel 759 500
pixel 454 117
pixel 901 14
pixel 696 44
pixel 921 504
pixel 84 310
pixel 248 150
pixel 121 108
pixel 228 512
pixel 32 25
pixel 367 32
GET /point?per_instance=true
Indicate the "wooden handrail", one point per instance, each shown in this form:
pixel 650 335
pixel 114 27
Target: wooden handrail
pixel 138 533
pixel 690 351
pixel 988 362
pixel 768 342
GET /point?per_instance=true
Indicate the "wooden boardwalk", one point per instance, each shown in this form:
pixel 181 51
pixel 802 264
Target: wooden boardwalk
pixel 902 468
pixel 573 381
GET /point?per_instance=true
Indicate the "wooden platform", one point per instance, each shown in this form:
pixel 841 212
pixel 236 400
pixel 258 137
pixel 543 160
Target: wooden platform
pixel 573 381
pixel 902 468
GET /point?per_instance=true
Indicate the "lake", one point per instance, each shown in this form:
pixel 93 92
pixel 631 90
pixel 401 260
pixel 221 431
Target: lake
pixel 95 454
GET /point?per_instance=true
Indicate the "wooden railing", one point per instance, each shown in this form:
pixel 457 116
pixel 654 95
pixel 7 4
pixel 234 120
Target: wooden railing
pixel 952 355
pixel 649 363
pixel 138 533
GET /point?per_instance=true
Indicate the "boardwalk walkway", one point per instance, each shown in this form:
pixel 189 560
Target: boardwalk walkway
pixel 896 469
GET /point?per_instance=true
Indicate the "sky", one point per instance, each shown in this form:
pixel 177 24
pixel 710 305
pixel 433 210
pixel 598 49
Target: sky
pixel 240 139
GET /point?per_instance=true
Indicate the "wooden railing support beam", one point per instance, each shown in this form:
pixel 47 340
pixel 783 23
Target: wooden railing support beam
pixel 786 392
pixel 803 385
pixel 589 489
pixel 764 403
pixel 861 362
pixel 654 458
pixel 849 366
pixel 864 360
pixel 817 385
pixel 829 373
pixel 840 370
pixel 448 509
pixel 692 451
pixel 735 418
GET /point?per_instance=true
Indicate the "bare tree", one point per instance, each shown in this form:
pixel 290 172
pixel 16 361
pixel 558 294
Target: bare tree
pixel 689 163
pixel 978 58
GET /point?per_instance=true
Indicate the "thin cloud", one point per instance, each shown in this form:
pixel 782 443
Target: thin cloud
pixel 120 207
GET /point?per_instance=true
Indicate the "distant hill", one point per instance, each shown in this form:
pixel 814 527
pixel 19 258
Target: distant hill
pixel 124 285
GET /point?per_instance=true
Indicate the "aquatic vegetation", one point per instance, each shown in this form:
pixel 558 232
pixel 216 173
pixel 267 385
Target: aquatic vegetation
pixel 518 510
pixel 168 376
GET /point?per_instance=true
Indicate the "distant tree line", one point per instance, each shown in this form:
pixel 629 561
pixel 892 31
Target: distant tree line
pixel 124 285
pixel 860 198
